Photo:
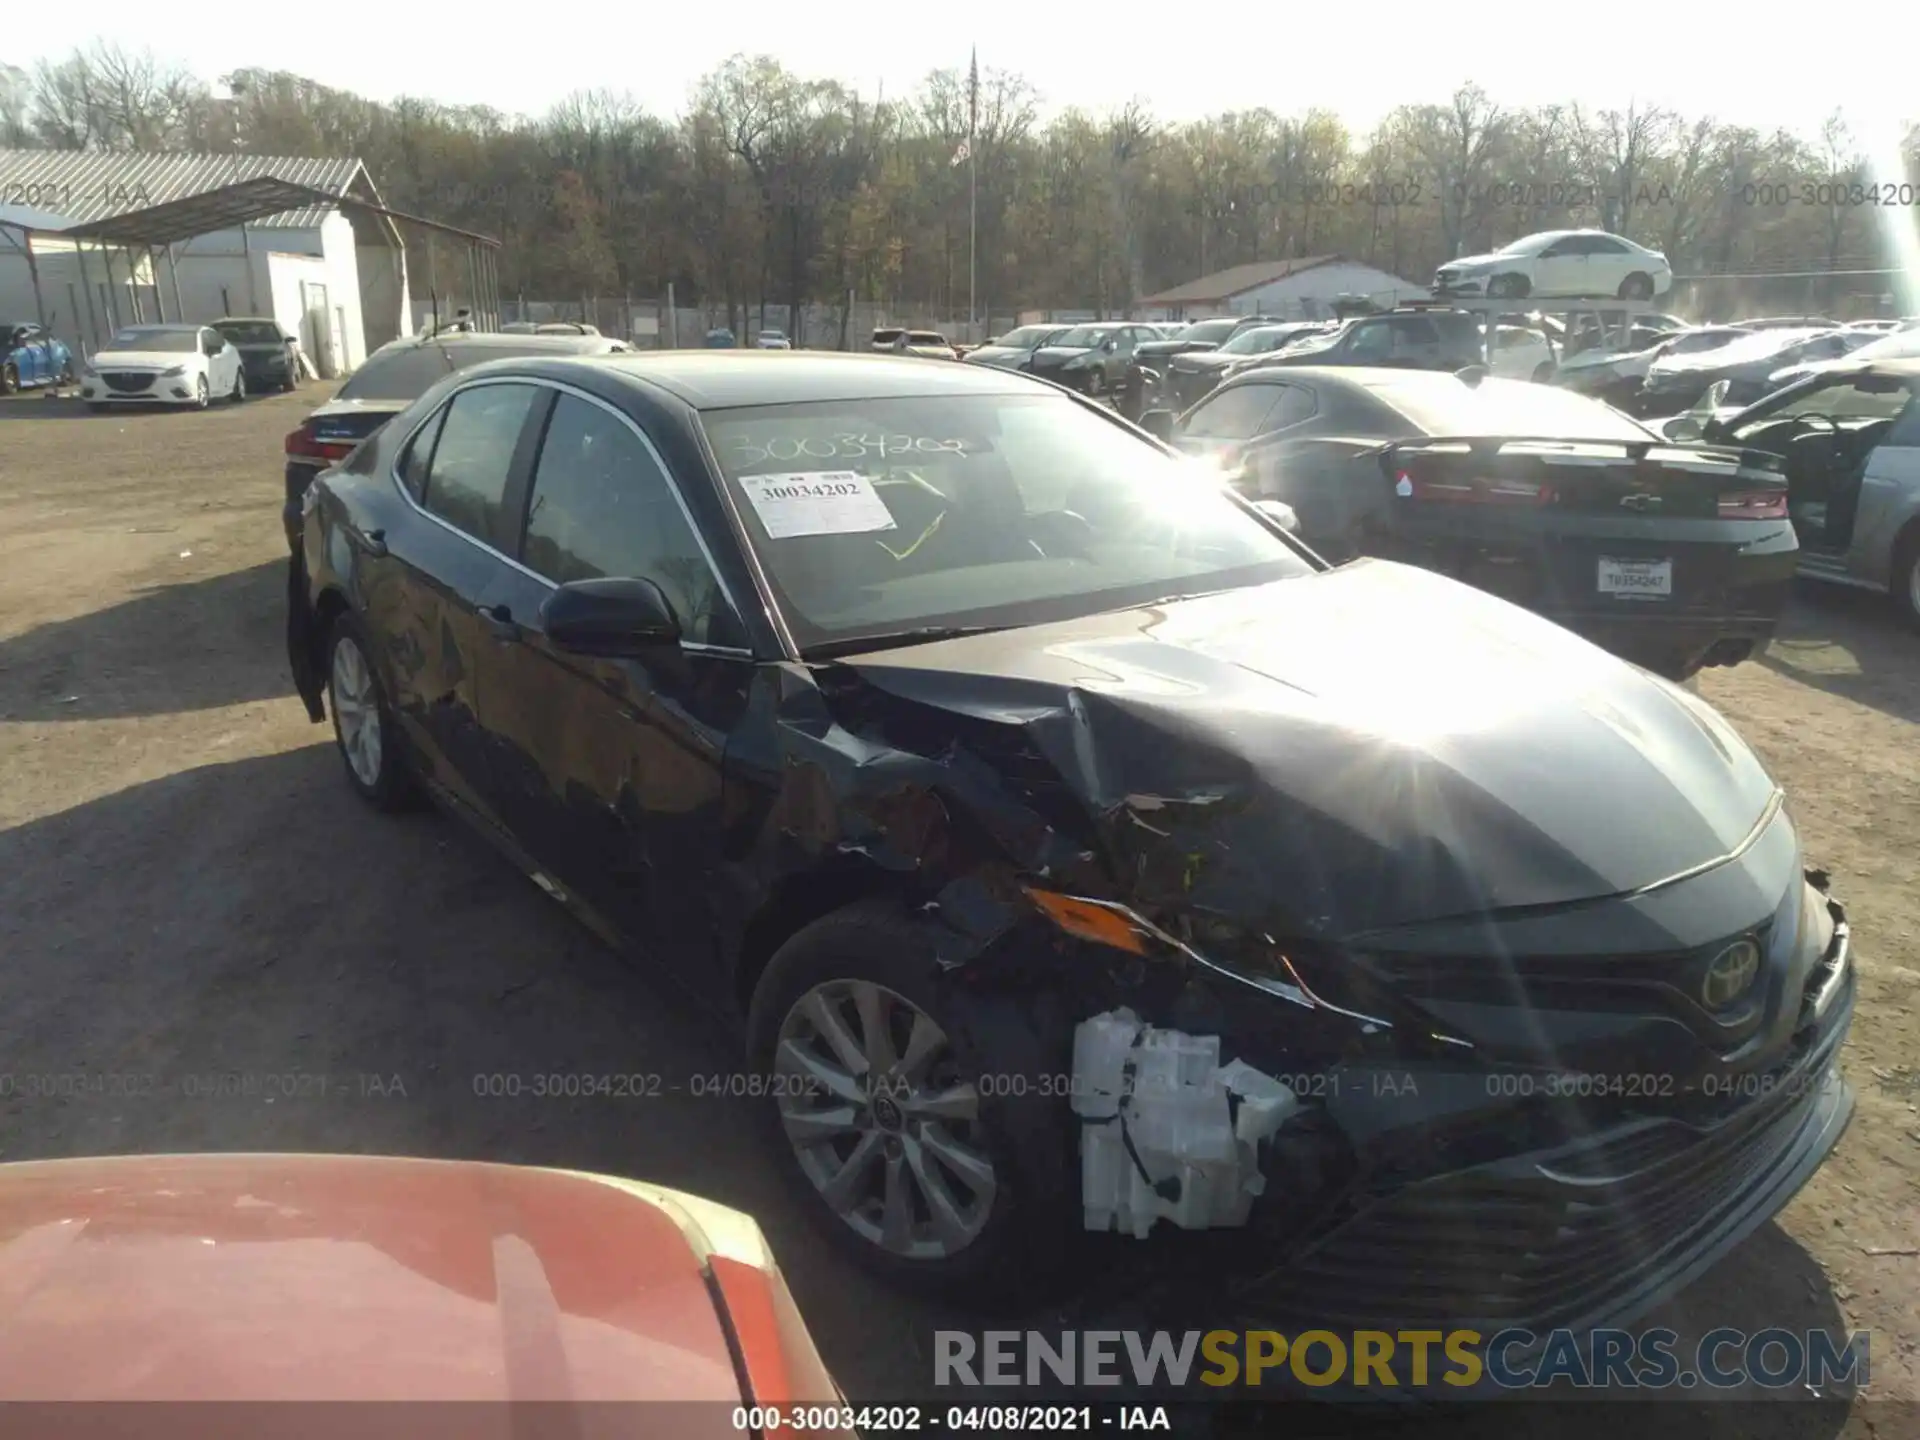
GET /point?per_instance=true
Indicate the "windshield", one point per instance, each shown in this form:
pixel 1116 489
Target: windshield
pixel 1761 346
pixel 403 375
pixel 170 342
pixel 1027 337
pixel 875 516
pixel 1210 332
pixel 1837 402
pixel 925 337
pixel 1525 245
pixel 1258 341
pixel 1442 405
pixel 251 332
pixel 1084 337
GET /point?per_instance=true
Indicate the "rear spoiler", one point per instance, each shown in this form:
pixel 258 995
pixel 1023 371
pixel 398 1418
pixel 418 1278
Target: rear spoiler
pixel 1559 450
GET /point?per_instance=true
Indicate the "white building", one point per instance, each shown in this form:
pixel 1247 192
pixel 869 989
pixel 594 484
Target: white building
pixel 1302 289
pixel 335 277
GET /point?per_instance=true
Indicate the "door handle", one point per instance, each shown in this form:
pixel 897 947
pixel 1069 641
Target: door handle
pixel 374 542
pixel 499 619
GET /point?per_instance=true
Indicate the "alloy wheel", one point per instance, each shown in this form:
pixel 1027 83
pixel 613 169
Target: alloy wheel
pixel 200 396
pixel 239 386
pixel 1913 586
pixel 356 710
pixel 882 1121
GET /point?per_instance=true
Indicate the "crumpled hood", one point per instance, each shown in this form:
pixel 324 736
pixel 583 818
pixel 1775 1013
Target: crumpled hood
pixel 1371 746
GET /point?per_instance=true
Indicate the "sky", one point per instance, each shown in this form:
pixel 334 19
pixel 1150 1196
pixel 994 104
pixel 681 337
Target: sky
pixel 1727 60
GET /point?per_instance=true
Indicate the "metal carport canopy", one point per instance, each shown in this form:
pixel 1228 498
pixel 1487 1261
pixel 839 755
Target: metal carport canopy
pixel 233 205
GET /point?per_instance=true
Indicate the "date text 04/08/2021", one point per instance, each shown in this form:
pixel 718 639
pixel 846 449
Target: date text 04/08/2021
pixel 951 1419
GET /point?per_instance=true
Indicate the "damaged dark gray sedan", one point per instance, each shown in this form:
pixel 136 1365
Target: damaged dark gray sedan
pixel 1079 851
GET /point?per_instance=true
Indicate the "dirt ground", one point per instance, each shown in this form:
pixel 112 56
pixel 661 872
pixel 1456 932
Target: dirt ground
pixel 188 889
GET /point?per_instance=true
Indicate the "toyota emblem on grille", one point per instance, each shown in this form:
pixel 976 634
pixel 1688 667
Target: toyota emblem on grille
pixel 1730 975
pixel 1640 502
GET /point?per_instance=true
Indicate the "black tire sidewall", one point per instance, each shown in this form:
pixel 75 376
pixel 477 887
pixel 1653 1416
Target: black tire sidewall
pixel 391 789
pixel 9 379
pixel 1637 286
pixel 202 393
pixel 1027 1243
pixel 1906 557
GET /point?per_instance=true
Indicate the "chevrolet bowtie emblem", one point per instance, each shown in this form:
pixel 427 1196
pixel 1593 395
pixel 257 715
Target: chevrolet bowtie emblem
pixel 1640 502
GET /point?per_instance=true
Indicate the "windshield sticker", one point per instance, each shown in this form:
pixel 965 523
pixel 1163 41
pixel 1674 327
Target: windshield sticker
pixel 816 502
pixel 841 447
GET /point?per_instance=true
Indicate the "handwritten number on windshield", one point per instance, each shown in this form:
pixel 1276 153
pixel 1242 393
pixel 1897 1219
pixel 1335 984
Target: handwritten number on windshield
pixel 786 449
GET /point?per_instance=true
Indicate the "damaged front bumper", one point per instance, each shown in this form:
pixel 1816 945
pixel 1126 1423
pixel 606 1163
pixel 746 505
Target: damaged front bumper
pixel 1388 1195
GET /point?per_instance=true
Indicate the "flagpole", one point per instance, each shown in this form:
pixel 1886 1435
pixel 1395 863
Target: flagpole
pixel 973 195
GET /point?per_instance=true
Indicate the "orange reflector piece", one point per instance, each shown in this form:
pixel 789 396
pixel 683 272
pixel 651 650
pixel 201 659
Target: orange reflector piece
pixel 1086 921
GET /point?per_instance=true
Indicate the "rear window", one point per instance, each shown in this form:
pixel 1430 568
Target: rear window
pixel 402 375
pixel 886 337
pixel 257 332
pixel 926 337
pixel 1442 405
pixel 1209 331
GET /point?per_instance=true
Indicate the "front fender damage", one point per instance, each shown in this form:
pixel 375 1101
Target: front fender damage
pixel 961 807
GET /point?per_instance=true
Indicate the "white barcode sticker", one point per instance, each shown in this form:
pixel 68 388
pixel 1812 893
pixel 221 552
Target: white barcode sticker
pixel 816 502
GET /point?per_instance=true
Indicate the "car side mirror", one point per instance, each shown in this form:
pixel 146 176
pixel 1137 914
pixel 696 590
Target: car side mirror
pixel 1159 424
pixel 1280 513
pixel 614 617
pixel 1715 397
pixel 1684 428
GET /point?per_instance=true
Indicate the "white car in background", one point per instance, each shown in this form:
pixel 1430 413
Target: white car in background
pixel 164 365
pixel 1587 264
pixel 772 340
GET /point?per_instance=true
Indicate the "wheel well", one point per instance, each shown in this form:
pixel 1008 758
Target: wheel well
pixel 797 902
pixel 326 609
pixel 1904 544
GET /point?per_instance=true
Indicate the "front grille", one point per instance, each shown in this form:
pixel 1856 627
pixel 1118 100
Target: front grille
pixel 127 382
pixel 1547 1239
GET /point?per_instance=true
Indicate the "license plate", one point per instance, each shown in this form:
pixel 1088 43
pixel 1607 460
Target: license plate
pixel 1637 579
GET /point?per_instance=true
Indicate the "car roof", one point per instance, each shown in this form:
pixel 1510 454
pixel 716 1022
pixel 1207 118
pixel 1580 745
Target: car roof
pixel 570 344
pixel 243 320
pixel 723 380
pixel 158 329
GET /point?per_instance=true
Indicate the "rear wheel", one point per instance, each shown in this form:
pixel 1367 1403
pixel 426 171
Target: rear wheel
pixel 886 1116
pixel 239 391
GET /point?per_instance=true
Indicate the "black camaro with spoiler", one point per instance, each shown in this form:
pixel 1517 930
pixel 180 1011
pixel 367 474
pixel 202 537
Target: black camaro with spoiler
pixel 1675 556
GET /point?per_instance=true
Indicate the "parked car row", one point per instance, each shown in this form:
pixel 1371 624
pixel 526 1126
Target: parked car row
pixel 1038 749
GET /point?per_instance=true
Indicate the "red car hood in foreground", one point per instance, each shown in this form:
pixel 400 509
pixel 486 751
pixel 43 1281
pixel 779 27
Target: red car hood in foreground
pixel 316 1277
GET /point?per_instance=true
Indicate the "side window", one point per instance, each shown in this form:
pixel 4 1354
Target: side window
pixel 467 476
pixel 1905 431
pixel 1602 245
pixel 602 506
pixel 1236 413
pixel 1413 337
pixel 419 451
pixel 1293 405
pixel 1370 342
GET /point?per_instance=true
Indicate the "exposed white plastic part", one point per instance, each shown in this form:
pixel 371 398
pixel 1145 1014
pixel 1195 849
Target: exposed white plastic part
pixel 1165 1093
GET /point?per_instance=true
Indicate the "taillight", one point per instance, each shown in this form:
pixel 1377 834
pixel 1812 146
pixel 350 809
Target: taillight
pixel 1768 504
pixel 303 444
pixel 1473 492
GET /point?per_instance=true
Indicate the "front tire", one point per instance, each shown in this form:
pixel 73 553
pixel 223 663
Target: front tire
pixel 363 723
pixel 9 380
pixel 889 1121
pixel 1543 373
pixel 1508 287
pixel 201 397
pixel 1637 286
